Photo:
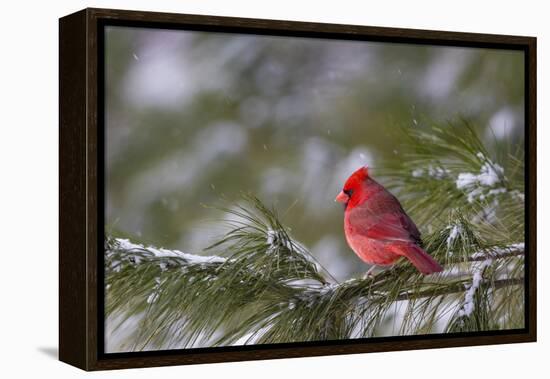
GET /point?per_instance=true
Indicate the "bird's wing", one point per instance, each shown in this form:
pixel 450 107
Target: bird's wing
pixel 383 218
pixel 393 227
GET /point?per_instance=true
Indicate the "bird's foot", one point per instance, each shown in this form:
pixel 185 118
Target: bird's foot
pixel 369 274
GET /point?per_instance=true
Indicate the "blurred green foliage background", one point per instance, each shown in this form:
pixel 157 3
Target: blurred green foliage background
pixel 196 118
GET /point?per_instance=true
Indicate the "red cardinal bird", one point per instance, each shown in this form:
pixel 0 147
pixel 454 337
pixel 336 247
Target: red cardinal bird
pixel 377 228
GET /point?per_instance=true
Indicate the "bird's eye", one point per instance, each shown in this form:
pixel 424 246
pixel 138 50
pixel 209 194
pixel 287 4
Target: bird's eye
pixel 348 192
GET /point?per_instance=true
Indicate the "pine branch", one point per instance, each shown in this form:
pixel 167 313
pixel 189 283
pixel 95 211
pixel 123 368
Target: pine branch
pixel 512 252
pixel 459 288
pixel 272 276
pixel 166 259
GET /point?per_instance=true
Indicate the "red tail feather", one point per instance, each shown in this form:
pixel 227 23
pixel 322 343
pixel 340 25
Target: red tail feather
pixel 418 257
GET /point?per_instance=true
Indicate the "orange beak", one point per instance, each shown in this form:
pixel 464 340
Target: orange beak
pixel 342 198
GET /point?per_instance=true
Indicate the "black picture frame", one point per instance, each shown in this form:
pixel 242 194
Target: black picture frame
pixel 81 188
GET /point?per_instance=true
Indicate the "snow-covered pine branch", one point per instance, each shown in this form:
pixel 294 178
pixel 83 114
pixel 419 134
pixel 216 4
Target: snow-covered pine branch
pixel 269 289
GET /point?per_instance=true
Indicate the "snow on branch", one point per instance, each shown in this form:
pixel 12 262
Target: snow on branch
pixel 483 184
pixel 121 252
